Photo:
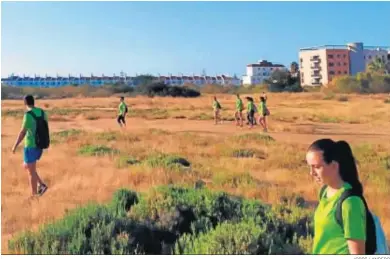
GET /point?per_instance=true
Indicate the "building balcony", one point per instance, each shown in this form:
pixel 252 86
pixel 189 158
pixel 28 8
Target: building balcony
pixel 315 59
pixel 316 75
pixel 315 67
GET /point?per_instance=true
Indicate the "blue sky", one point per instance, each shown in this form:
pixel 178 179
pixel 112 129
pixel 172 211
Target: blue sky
pixel 177 37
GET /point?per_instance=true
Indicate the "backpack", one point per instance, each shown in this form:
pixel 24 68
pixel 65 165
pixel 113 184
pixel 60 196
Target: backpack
pixel 42 138
pixel 126 110
pixel 219 105
pixel 375 238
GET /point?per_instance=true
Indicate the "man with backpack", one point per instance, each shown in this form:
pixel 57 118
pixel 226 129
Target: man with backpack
pixel 35 132
pixel 122 112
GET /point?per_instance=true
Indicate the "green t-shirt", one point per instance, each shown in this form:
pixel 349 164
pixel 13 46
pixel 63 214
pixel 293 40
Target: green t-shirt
pixel 122 108
pixel 329 237
pixel 262 108
pixel 250 106
pixel 30 125
pixel 216 105
pixel 239 105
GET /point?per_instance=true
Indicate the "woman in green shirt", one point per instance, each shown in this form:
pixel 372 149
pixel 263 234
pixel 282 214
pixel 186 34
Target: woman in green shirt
pixel 250 111
pixel 263 113
pixel 332 165
pixel 217 111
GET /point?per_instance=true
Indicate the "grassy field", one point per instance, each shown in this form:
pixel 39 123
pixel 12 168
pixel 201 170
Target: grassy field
pixel 91 158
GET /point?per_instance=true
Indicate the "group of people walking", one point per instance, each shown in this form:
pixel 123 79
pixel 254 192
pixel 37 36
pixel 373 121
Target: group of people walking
pixel 251 111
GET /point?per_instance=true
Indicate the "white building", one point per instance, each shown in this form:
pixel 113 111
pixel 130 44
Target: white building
pixel 257 73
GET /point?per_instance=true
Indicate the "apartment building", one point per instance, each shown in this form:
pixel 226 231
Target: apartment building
pixel 319 65
pixel 258 72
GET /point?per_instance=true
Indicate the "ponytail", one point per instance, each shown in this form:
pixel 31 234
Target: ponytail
pixel 347 165
pixel 340 152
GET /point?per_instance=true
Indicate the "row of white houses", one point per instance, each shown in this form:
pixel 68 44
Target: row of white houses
pixel 58 81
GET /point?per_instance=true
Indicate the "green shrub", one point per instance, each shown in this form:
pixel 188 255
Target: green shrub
pixel 164 160
pixel 248 153
pixel 254 137
pixel 125 161
pixel 226 239
pixel 122 201
pixel 172 219
pixel 99 150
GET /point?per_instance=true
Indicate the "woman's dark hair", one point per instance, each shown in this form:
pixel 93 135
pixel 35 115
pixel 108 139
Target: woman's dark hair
pixel 262 99
pixel 249 98
pixel 340 152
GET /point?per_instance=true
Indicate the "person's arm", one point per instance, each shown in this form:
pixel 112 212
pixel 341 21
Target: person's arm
pixel 354 221
pixel 21 135
pixel 356 247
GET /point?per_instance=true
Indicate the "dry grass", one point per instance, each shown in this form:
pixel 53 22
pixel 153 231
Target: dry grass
pixel 279 170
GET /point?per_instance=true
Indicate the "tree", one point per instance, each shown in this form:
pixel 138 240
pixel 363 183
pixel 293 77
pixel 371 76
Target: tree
pixel 294 68
pixel 144 79
pixel 377 66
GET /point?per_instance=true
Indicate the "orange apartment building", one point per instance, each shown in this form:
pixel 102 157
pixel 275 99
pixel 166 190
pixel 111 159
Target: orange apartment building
pixel 320 65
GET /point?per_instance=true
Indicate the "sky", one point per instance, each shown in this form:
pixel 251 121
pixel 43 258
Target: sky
pixel 176 37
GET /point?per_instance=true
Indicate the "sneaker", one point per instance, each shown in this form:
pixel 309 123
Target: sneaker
pixel 42 189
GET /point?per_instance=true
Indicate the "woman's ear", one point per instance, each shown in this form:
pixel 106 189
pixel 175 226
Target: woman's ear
pixel 335 165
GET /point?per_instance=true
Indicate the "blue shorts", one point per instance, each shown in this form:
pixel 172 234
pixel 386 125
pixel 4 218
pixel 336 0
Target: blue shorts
pixel 31 154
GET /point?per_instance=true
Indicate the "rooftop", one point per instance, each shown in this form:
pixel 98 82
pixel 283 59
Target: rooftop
pixel 343 47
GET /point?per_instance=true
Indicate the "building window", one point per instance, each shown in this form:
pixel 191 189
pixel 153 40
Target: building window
pixel 345 63
pixel 338 63
pixel 369 57
pixel 330 56
pixel 344 56
pixel 331 64
pixel 331 72
pixel 338 55
pixel 302 75
pixel 339 72
pixel 345 72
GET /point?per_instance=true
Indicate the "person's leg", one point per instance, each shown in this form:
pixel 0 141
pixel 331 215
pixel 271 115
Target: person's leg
pixel 241 119
pixel 118 119
pixel 215 117
pixel 251 114
pixel 31 168
pixel 123 121
pixel 31 156
pixel 265 123
pixel 236 118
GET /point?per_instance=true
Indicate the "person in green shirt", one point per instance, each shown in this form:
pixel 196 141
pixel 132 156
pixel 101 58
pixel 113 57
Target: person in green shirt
pixel 263 113
pixel 122 112
pixel 332 165
pixel 238 113
pixel 31 153
pixel 250 111
pixel 217 111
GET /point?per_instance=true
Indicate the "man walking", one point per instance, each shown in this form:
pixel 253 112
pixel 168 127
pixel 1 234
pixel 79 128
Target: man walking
pixel 35 132
pixel 122 112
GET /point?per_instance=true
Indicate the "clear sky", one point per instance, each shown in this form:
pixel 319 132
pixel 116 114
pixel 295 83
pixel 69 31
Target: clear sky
pixel 176 37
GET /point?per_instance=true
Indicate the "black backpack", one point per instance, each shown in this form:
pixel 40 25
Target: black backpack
pixel 126 110
pixel 42 137
pixel 370 224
